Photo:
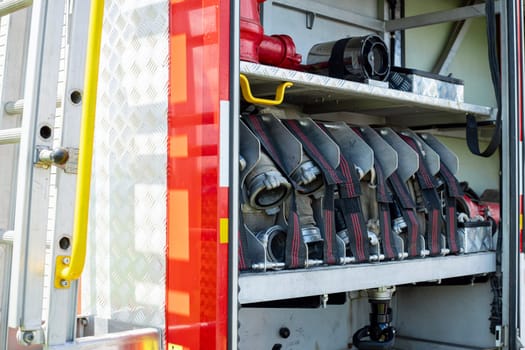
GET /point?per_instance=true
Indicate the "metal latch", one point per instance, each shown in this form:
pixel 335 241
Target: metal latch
pixel 61 157
pixel 500 335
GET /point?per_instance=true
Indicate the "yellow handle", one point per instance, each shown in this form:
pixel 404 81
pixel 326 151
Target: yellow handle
pixel 70 268
pixel 247 93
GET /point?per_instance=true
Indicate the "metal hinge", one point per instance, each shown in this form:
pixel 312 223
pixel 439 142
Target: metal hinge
pixel 501 335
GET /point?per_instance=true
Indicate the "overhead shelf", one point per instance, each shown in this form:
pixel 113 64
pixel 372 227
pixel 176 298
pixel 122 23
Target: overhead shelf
pixel 286 284
pixel 345 100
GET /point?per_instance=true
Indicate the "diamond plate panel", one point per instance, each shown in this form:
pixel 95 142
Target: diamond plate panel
pixel 125 273
pixel 314 86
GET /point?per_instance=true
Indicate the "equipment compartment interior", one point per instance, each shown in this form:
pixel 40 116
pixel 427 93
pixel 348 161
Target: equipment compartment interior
pixel 438 302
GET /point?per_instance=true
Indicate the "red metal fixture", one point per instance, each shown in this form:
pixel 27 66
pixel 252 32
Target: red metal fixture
pixel 275 50
pixel 279 50
pixel 251 30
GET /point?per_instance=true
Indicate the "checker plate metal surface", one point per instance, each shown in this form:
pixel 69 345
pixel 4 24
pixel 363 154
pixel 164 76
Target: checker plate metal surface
pixel 323 94
pixel 125 272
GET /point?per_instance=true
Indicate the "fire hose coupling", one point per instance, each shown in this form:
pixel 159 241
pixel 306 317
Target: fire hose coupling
pixel 274 239
pixel 266 187
pixel 309 230
pixel 308 176
pixel 356 58
pixel 380 333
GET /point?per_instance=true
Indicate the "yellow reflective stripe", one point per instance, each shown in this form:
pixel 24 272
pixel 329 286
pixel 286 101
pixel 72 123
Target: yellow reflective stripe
pixel 223 230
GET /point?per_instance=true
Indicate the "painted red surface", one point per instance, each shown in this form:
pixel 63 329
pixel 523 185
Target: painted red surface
pixel 197 261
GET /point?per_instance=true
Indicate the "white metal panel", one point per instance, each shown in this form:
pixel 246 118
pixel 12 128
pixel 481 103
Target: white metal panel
pixel 310 329
pixel 224 145
pixel 328 328
pixel 454 314
pixel 124 277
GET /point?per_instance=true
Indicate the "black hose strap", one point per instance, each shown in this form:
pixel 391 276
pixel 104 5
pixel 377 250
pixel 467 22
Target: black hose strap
pixel 472 125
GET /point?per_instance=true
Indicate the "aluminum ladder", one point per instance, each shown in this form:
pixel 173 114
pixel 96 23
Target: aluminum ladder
pixel 37 49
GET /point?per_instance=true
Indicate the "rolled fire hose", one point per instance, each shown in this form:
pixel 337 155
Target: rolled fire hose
pixel 356 58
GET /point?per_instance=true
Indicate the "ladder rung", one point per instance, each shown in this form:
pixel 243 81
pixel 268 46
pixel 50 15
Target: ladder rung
pixel 17 107
pixel 7 7
pixel 6 237
pixel 14 107
pixel 8 136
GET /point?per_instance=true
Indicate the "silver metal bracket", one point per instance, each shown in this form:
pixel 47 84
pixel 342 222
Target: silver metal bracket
pixel 310 19
pixel 30 337
pixel 71 167
pixel 500 335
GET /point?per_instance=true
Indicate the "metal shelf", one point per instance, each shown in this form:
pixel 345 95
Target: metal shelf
pixel 327 98
pixel 276 285
pixel 345 100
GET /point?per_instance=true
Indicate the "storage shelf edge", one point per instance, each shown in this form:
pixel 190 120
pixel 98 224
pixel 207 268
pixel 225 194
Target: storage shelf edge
pixel 276 285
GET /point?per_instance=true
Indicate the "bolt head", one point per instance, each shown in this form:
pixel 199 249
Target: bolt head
pixel 64 283
pixel 284 332
pixel 66 261
pixel 59 156
pixel 28 337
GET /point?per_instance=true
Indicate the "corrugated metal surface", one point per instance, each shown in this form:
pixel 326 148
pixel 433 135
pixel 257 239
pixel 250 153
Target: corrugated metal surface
pixel 124 277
